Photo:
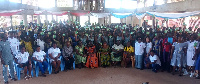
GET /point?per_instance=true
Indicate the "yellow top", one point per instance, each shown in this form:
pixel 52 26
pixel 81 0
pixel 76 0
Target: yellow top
pixel 129 49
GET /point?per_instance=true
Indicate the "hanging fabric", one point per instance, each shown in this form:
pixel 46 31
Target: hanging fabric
pixel 121 15
pixel 79 14
pixel 100 15
pixel 58 13
pixel 174 15
pixel 140 15
pixel 10 13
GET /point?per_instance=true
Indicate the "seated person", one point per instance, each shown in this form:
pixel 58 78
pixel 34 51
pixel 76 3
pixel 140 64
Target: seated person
pixel 54 54
pixel 67 52
pixel 92 60
pixel 40 57
pixel 79 55
pixel 128 52
pixel 155 61
pixel 24 61
pixel 105 55
pixel 117 52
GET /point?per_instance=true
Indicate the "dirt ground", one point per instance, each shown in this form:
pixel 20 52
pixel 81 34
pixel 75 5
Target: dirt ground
pixel 108 76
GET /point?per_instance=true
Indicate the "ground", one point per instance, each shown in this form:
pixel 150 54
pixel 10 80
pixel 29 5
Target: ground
pixel 108 76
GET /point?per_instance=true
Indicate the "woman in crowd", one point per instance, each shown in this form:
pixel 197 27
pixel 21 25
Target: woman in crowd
pixel 24 61
pixel 67 52
pixel 177 55
pixel 128 54
pixel 54 54
pixel 92 60
pixel 105 54
pixel 40 57
pixel 80 58
pixel 117 53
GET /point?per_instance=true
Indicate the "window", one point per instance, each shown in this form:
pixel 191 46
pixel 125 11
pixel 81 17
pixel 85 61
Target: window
pixel 83 20
pixel 64 3
pixel 93 19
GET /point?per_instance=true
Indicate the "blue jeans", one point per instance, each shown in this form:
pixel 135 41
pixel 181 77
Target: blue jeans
pixel 11 67
pixel 155 67
pixel 138 61
pixel 41 67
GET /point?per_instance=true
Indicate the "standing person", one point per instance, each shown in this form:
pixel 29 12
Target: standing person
pixel 40 57
pixel 105 54
pixel 24 61
pixel 191 53
pixel 6 58
pixel 139 51
pixel 167 45
pixel 117 52
pixel 177 55
pixel 54 54
pixel 80 58
pixel 148 46
pixel 197 66
pixel 67 52
pixel 14 43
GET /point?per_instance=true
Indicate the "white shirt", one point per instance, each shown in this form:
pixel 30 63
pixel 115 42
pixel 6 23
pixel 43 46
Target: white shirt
pixel 40 43
pixel 116 47
pixel 22 58
pixel 148 47
pixel 14 43
pixel 191 45
pixel 139 48
pixel 153 58
pixel 54 52
pixel 39 55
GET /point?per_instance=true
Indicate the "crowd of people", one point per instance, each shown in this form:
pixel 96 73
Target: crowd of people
pixel 175 50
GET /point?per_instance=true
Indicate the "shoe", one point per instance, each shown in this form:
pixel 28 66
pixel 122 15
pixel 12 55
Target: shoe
pixel 6 82
pixel 43 75
pixel 191 75
pixel 29 76
pixel 14 79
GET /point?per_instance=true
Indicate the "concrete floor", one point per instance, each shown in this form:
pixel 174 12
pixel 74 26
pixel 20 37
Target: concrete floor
pixel 108 76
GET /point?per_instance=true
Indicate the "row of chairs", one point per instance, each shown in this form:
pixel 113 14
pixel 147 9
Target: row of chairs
pixel 62 66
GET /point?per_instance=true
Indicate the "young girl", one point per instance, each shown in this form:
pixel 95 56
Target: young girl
pixel 177 55
pixel 23 60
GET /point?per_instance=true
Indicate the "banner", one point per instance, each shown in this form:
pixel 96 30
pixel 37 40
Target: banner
pixel 100 15
pixel 10 13
pixel 174 15
pixel 139 15
pixel 121 15
pixel 79 14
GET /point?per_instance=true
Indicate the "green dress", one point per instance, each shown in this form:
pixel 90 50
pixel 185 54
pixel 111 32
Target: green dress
pixel 105 58
pixel 78 58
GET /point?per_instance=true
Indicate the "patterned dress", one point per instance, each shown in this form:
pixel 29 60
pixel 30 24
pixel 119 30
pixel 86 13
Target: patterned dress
pixel 92 60
pixel 28 47
pixel 105 58
pixel 78 58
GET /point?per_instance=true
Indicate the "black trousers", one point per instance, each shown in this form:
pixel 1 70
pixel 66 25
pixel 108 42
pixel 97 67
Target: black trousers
pixel 69 62
pixel 166 61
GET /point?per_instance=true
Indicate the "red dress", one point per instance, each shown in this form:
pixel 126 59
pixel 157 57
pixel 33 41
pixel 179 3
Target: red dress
pixel 92 60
